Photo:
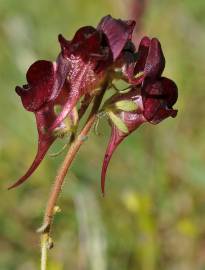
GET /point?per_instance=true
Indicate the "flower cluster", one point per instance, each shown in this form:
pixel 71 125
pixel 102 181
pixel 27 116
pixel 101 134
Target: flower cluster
pixel 95 57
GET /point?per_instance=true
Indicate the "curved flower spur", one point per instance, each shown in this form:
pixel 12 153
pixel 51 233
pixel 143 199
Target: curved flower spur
pixel 93 58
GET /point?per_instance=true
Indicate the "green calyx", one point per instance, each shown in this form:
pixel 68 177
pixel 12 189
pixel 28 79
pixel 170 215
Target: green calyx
pixel 117 121
pixel 126 105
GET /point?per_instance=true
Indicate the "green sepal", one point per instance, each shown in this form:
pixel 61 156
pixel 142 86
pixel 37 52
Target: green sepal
pixel 126 105
pixel 117 122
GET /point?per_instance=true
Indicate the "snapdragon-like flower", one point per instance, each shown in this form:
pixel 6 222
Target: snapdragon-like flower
pixel 45 79
pixel 153 97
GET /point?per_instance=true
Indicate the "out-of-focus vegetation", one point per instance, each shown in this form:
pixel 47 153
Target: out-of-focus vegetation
pixel 153 215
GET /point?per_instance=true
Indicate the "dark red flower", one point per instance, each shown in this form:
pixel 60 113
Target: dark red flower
pixel 153 94
pixel 45 80
pixel 154 104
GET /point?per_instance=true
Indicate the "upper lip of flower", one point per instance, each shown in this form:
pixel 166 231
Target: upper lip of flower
pixel 158 93
pixel 37 92
pixel 118 33
pixel 150 58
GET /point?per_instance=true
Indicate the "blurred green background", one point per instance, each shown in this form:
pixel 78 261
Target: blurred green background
pixel 153 214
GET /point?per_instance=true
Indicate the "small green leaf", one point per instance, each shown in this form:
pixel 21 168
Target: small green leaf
pixel 118 122
pixel 126 105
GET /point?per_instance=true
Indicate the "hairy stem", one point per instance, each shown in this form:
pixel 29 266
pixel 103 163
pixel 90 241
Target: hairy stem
pixel 75 146
pixel 56 189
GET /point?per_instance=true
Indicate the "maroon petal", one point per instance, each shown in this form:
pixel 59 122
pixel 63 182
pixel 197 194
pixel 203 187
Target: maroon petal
pixel 36 93
pixel 118 32
pixel 151 107
pixel 163 114
pixel 150 58
pixel 134 63
pixel 65 45
pixel 158 99
pixel 45 80
pixel 82 80
pixel 72 100
pixel 142 54
pixel 85 43
pixel 83 35
pixel 170 91
pixel 87 40
pixel 62 67
pixel 155 62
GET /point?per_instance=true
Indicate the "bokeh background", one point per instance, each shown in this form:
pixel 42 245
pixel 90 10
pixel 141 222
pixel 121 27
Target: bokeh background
pixel 153 214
